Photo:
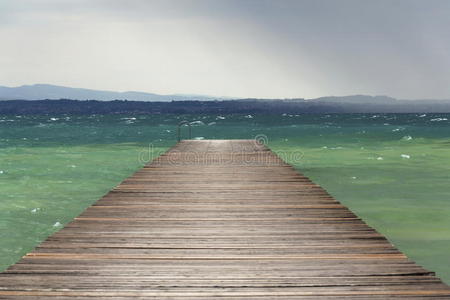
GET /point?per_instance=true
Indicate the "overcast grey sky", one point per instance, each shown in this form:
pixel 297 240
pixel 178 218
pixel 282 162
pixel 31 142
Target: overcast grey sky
pixel 245 48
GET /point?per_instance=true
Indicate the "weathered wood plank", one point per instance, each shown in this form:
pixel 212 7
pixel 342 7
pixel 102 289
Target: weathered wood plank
pixel 218 219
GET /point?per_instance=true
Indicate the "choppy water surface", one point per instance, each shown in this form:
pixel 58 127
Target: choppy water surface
pixel 393 170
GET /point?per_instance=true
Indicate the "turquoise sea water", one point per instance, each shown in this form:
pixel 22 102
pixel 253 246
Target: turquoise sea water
pixel 393 170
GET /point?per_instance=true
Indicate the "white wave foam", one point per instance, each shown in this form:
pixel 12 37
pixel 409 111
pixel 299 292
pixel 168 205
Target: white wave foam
pixel 197 123
pixel 407 138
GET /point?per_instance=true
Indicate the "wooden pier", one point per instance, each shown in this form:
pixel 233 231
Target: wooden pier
pixel 218 219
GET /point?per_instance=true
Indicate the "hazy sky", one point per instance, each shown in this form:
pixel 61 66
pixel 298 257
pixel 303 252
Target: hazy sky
pixel 245 48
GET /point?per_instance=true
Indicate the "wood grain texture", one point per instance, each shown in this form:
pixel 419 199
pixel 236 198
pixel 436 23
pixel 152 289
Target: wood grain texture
pixel 218 219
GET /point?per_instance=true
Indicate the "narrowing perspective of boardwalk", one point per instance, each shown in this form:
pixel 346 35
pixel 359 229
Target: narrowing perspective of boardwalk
pixel 218 219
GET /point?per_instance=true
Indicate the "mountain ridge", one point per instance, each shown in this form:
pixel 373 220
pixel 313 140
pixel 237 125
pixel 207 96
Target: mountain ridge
pixel 44 91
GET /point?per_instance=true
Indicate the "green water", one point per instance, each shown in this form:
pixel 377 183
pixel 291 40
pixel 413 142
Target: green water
pixel 393 170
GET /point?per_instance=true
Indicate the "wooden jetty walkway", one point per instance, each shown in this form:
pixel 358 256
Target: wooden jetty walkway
pixel 218 219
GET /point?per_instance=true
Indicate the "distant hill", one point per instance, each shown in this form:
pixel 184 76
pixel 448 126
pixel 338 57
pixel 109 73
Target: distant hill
pixel 45 98
pixel 357 99
pixel 53 92
pixel 244 106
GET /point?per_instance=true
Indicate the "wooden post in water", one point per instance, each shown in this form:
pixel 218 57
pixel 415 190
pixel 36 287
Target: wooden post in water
pixel 181 124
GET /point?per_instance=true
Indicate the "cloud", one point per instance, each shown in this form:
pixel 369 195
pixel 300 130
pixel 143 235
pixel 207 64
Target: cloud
pixel 290 48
